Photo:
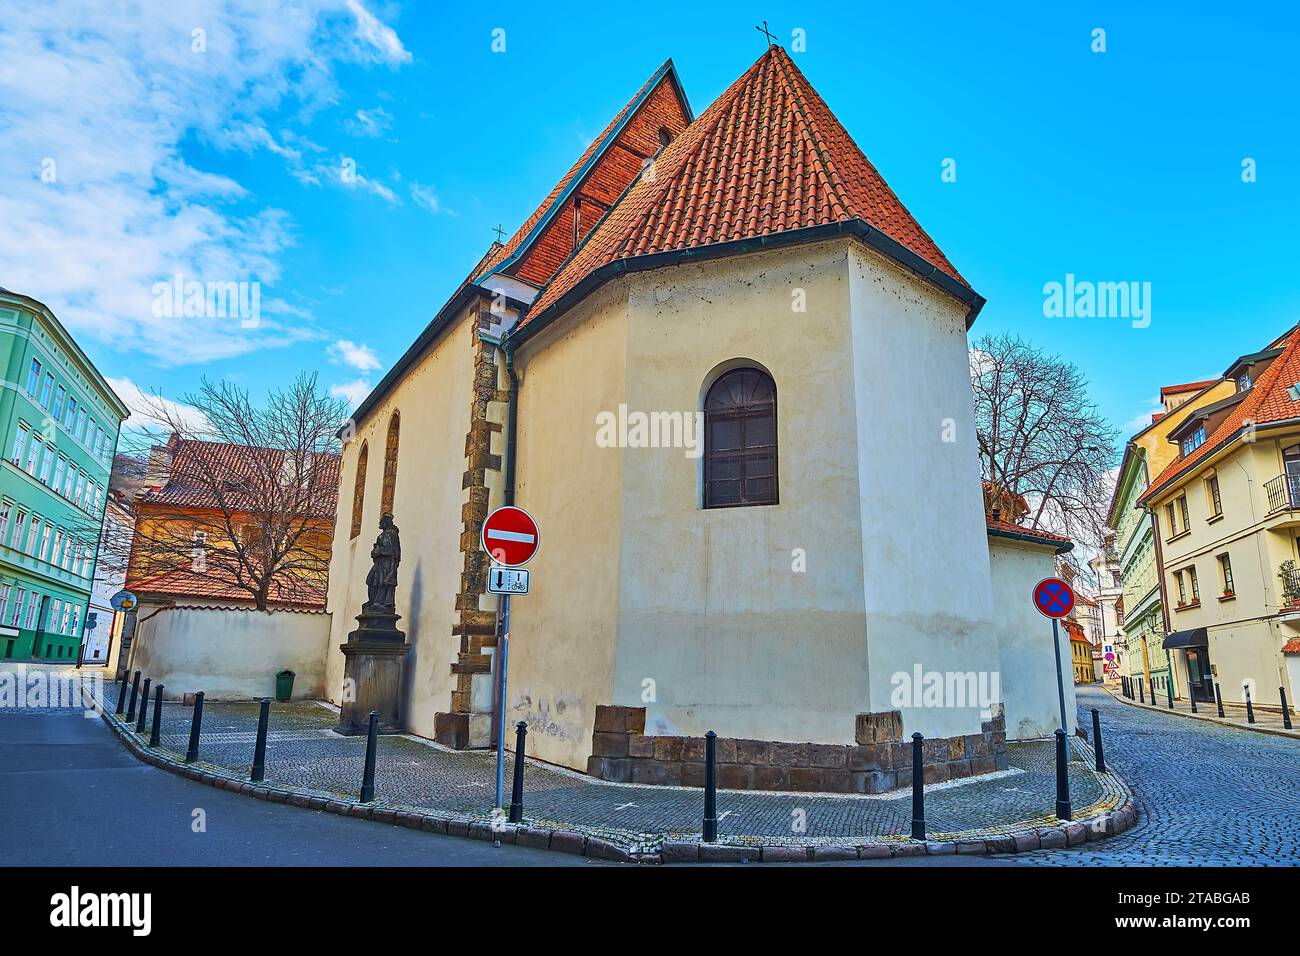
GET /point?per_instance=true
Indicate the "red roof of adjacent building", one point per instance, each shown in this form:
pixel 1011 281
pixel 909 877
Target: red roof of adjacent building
pixel 997 526
pixel 1267 401
pixel 185 583
pixel 199 467
pixel 1186 387
pixel 767 156
pixel 1292 646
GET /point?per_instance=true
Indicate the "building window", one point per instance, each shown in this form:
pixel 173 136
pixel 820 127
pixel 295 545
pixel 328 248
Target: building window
pixel 1196 591
pixel 34 377
pixel 20 444
pixel 34 454
pixel 52 615
pixel 47 460
pixel 71 417
pixel 56 410
pixel 33 535
pixel 1225 571
pixel 1182 588
pixel 18 607
pixel 1182 510
pixel 359 489
pixel 4 526
pixel 47 389
pixel 58 472
pixel 390 467
pixel 1212 491
pixel 33 602
pixel 740 463
pixel 43 554
pixel 1194 441
pixel 20 527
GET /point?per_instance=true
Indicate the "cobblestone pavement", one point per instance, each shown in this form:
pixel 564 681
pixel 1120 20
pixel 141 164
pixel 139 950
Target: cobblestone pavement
pixel 1268 716
pixel 1207 794
pixel 303 751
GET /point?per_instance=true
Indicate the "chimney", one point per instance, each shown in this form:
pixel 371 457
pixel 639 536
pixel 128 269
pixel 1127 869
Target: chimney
pixel 159 469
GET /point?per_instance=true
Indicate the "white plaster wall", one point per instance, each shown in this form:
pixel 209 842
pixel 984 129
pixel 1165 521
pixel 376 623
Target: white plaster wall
pixel 563 633
pixel 231 653
pixel 1026 658
pixel 1250 651
pixel 434 403
pixel 711 609
pixel 925 561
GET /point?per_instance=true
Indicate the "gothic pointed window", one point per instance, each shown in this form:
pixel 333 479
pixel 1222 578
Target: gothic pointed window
pixel 740 440
pixel 390 467
pixel 359 490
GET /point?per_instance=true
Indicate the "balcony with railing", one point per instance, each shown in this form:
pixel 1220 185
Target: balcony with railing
pixel 1290 603
pixel 1283 494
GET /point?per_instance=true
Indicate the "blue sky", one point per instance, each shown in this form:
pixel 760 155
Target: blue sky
pixel 225 163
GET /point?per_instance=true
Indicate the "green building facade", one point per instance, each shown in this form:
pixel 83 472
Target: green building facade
pixel 59 426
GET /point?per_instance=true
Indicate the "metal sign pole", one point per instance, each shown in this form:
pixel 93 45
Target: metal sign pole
pixel 504 652
pixel 1060 682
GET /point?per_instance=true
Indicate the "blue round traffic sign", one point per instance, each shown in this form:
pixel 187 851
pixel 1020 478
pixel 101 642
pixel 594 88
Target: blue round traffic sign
pixel 1053 597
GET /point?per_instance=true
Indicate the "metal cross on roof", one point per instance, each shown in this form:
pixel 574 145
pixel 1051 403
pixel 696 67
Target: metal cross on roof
pixel 771 41
pixel 500 232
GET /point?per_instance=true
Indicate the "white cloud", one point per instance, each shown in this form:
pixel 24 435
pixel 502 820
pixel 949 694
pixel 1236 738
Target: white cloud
pixel 426 198
pixel 99 201
pixel 353 392
pixel 1143 418
pixel 378 37
pixel 367 124
pixel 359 355
pixel 144 406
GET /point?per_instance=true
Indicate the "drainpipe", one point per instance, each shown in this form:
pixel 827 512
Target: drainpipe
pixel 512 429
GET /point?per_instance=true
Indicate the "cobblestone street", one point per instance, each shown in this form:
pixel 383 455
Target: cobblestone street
pixel 303 751
pixel 1207 795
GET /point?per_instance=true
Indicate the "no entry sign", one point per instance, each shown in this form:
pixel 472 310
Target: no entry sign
pixel 1053 597
pixel 510 536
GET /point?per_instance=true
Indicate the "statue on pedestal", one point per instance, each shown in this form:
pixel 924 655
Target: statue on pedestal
pixel 381 582
pixel 374 654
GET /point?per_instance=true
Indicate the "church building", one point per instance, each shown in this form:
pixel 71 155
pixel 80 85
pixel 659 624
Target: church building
pixel 726 372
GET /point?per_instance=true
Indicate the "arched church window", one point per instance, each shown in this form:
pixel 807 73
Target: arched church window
pixel 740 440
pixel 390 467
pixel 359 490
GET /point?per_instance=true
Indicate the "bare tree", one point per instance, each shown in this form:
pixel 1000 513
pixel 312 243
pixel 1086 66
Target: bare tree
pixel 237 496
pixel 1042 443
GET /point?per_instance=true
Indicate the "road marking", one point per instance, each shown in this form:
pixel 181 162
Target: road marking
pixel 624 806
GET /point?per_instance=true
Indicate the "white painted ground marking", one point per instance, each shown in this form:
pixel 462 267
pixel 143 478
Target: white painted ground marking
pixel 724 815
pixel 624 806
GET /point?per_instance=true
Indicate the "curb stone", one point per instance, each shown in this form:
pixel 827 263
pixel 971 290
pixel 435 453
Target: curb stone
pixel 1116 812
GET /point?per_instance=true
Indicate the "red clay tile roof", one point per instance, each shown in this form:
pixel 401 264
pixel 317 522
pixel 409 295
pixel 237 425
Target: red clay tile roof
pixel 1186 387
pixel 658 104
pixel 1267 401
pixel 766 157
pixel 1292 646
pixel 185 583
pixel 1006 527
pixel 197 464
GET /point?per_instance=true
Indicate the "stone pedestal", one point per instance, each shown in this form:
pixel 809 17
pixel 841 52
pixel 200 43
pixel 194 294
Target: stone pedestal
pixel 375 657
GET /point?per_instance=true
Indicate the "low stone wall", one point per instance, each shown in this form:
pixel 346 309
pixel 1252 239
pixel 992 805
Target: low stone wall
pixel 879 762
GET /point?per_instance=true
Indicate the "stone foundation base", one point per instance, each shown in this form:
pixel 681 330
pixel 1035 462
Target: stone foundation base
pixel 880 761
pixel 373 671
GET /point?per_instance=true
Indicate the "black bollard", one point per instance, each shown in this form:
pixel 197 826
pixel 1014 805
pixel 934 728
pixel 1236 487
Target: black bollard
pixel 1191 697
pixel 258 773
pixel 1169 686
pixel 368 771
pixel 1096 741
pixel 144 707
pixel 710 787
pixel 1062 778
pixel 1286 711
pixel 918 788
pixel 1250 710
pixel 517 789
pixel 121 698
pixel 135 692
pixel 155 732
pixel 196 724
pixel 1142 697
pixel 1218 698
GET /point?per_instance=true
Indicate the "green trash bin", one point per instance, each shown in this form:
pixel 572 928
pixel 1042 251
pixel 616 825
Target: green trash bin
pixel 284 685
